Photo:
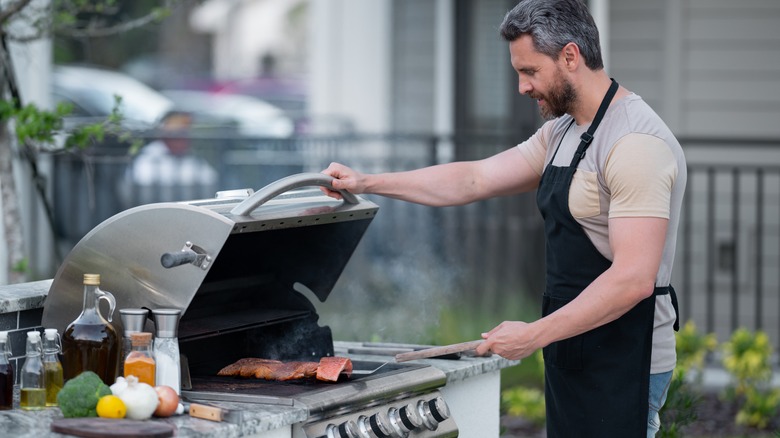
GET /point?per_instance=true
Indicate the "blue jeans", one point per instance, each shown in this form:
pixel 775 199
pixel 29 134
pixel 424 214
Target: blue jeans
pixel 659 386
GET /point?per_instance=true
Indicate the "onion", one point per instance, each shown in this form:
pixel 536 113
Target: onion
pixel 169 401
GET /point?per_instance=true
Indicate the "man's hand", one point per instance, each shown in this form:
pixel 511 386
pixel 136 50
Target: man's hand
pixel 513 340
pixel 344 179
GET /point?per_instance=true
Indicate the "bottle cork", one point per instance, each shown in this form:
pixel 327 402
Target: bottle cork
pixel 141 338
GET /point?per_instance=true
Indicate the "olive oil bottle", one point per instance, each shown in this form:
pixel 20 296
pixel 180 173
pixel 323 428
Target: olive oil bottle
pixel 90 343
pixel 32 388
pixel 52 368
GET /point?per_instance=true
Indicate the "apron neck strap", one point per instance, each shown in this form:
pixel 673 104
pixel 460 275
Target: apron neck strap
pixel 587 137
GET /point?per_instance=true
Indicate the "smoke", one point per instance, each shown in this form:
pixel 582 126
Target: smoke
pixel 393 298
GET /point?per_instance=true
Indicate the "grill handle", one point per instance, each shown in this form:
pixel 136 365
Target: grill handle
pixel 173 259
pixel 291 182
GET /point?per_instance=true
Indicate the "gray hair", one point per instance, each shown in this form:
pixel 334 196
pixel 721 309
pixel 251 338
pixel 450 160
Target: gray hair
pixel 552 24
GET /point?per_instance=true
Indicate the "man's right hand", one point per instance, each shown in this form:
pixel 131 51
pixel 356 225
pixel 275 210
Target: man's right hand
pixel 344 179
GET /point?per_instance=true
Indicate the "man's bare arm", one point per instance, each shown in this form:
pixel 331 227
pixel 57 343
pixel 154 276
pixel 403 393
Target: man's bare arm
pixel 448 184
pixel 637 245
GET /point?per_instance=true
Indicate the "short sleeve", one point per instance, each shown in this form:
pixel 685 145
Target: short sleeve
pixel 639 173
pixel 535 148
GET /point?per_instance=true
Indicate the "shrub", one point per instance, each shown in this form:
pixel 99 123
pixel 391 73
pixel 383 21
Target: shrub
pixel 746 356
pixel 679 409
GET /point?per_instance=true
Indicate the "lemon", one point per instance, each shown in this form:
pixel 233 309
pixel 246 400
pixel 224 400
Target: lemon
pixel 111 406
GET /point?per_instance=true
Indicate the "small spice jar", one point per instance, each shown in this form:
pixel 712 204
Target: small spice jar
pixel 140 361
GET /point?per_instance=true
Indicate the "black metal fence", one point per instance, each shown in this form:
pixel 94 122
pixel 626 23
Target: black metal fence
pixel 728 255
pixel 729 251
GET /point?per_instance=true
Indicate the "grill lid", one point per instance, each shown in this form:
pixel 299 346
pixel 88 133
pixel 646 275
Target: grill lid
pixel 228 263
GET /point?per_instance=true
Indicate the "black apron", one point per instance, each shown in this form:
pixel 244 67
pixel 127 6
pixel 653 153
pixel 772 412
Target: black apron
pixel 597 383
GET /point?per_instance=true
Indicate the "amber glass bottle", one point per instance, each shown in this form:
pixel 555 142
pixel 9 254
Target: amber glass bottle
pixel 90 343
pixel 6 374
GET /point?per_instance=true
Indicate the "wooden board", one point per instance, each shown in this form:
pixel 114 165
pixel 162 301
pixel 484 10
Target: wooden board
pixel 108 427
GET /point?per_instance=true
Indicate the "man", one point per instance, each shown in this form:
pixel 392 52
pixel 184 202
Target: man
pixel 166 170
pixel 609 177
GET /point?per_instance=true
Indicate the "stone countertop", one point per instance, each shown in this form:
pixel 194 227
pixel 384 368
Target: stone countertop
pixel 23 296
pixel 256 419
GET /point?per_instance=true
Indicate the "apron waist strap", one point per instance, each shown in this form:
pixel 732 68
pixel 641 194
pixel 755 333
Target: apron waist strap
pixel 669 290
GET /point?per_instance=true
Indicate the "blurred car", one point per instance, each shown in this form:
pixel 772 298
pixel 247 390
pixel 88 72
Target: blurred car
pixel 253 117
pixel 287 93
pixel 91 91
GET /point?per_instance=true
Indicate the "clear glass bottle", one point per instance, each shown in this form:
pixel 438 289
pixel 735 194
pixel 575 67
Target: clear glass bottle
pixel 6 374
pixel 133 321
pixel 33 388
pixel 52 368
pixel 140 361
pixel 166 348
pixel 90 342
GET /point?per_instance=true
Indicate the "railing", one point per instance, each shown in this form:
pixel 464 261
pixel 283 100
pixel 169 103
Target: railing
pixel 728 254
pixel 729 249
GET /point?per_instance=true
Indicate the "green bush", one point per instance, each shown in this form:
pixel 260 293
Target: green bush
pixel 527 401
pixel 746 356
pixel 680 408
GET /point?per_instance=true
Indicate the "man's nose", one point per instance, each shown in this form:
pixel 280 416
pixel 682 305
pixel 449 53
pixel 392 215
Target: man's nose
pixel 524 87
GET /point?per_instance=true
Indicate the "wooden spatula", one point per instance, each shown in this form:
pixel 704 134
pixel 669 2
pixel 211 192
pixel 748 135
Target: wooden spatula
pixel 438 351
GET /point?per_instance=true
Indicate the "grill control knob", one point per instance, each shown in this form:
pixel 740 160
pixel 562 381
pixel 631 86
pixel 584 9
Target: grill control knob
pixel 365 428
pixel 380 426
pixel 373 427
pixel 433 412
pixel 405 419
pixel 347 429
pixel 439 409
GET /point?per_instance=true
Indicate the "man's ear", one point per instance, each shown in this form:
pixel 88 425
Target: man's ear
pixel 570 56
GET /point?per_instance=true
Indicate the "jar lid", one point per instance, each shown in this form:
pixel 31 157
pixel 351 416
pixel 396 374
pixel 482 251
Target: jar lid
pixel 92 279
pixel 141 338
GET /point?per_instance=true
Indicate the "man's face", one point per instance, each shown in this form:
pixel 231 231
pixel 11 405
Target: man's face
pixel 541 78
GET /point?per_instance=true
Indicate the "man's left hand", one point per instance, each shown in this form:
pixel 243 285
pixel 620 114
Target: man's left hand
pixel 513 340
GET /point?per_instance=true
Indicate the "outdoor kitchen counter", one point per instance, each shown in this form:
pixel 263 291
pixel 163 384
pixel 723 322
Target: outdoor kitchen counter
pixel 468 375
pixel 258 420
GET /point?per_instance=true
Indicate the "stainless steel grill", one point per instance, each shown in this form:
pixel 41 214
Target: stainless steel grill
pixel 239 266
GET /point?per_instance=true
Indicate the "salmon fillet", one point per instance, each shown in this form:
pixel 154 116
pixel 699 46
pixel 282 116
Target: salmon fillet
pixel 328 369
pixel 247 367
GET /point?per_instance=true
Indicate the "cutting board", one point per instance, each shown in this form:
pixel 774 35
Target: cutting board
pixel 109 427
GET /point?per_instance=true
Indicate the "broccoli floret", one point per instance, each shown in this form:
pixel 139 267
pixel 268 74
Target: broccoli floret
pixel 79 396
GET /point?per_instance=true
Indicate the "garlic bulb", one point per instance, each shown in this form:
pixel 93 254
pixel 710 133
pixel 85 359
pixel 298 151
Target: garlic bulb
pixel 140 399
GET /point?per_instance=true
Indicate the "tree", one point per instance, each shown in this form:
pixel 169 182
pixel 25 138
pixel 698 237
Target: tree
pixel 25 130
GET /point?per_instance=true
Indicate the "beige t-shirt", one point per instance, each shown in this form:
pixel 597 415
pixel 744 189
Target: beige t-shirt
pixel 633 168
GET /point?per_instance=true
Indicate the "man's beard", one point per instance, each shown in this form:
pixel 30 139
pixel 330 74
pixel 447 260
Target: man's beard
pixel 559 100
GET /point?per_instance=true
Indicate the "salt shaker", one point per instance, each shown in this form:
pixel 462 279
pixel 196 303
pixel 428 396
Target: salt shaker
pixel 166 348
